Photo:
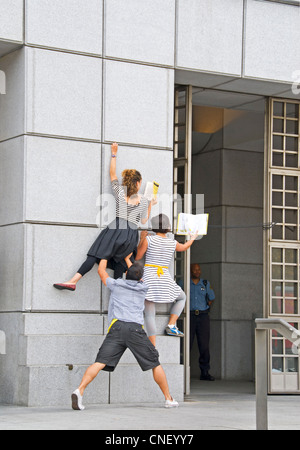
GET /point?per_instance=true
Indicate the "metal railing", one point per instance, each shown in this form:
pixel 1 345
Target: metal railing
pixel 261 362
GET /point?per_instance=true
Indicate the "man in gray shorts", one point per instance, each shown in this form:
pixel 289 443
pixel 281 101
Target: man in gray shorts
pixel 126 318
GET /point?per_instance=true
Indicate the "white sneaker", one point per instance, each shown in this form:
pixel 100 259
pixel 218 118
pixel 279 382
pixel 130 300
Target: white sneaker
pixel 77 401
pixel 171 404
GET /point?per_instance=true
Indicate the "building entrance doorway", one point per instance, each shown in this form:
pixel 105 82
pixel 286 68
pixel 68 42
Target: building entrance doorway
pixel 219 153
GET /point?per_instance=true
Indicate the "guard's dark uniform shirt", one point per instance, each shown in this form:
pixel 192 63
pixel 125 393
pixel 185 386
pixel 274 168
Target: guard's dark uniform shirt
pixel 198 296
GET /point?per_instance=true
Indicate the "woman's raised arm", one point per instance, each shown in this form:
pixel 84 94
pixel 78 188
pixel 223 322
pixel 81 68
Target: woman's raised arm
pixel 113 162
pixel 188 244
pixel 143 245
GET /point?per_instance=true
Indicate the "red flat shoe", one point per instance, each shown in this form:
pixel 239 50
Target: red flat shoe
pixel 62 286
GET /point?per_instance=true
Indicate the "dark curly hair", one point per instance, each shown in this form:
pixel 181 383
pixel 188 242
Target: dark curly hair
pixel 130 177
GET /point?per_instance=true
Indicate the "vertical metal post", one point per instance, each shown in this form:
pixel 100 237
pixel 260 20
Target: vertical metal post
pixel 261 379
pixel 184 103
pixel 188 210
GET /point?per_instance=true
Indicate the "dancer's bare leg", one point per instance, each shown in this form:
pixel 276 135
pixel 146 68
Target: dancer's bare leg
pixel 90 375
pixel 84 268
pixel 161 379
pixel 69 285
pixel 75 279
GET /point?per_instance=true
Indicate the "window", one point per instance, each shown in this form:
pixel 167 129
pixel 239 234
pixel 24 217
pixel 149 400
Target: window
pixel 284 185
pixel 284 165
pixel 285 207
pixel 284 358
pixel 285 135
pixel 284 238
pixel 285 281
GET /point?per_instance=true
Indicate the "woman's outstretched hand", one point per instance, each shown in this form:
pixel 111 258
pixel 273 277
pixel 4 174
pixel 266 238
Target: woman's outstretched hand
pixel 114 149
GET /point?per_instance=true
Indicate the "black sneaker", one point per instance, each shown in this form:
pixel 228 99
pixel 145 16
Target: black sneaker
pixel 207 376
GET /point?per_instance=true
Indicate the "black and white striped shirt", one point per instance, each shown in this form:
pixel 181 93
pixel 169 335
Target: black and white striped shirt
pixel 162 288
pixel 131 213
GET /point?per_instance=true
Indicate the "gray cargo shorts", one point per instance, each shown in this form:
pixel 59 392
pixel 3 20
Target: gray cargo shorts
pixel 123 335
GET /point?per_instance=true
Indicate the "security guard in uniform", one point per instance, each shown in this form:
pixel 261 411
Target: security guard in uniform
pixel 202 296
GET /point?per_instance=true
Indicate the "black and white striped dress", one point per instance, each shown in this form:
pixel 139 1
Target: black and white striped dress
pixel 162 289
pixel 120 237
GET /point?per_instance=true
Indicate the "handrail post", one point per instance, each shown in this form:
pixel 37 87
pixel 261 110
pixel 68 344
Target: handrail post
pixel 263 326
pixel 261 379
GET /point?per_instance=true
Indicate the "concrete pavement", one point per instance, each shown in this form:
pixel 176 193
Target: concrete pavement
pixel 215 405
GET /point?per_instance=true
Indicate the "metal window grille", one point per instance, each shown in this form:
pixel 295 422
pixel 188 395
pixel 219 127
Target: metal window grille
pixel 284 238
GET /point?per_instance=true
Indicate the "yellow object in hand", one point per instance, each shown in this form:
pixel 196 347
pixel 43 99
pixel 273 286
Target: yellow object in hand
pixel 155 188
